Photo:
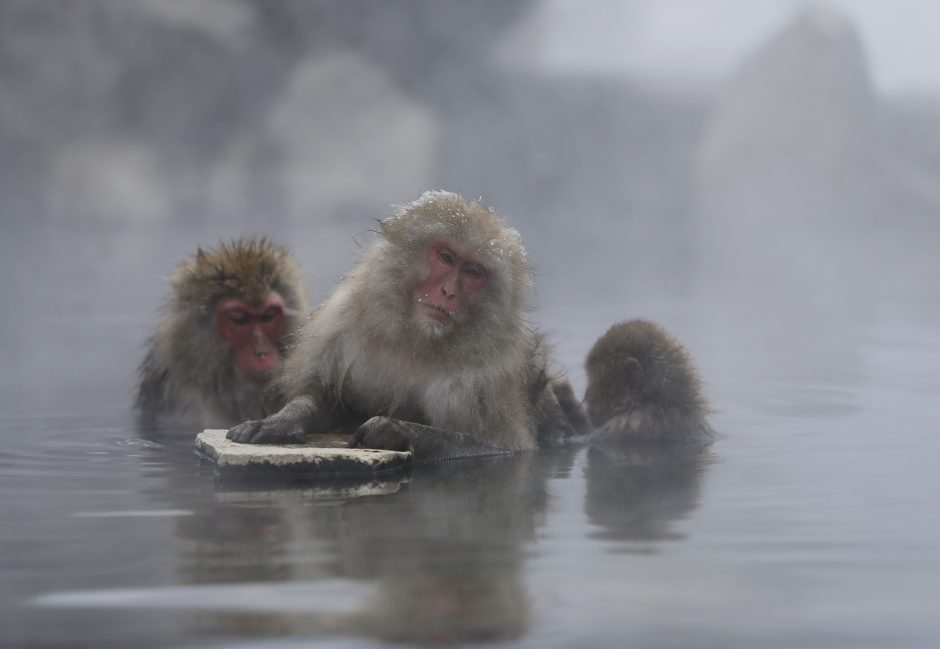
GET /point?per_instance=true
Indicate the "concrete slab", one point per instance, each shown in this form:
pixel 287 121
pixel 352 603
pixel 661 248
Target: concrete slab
pixel 323 455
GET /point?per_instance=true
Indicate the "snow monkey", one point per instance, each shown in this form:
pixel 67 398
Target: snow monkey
pixel 220 337
pixel 643 387
pixel 425 346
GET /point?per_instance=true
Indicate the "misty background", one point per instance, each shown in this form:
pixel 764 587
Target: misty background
pixel 759 177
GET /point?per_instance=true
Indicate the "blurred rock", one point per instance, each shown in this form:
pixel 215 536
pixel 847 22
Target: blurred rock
pixel 109 179
pixel 341 133
pixel 785 167
pixel 802 104
pixel 146 87
pixel 814 211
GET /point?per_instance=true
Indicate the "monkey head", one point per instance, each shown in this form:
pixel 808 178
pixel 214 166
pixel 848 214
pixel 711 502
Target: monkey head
pixel 451 265
pixel 244 294
pixel 638 366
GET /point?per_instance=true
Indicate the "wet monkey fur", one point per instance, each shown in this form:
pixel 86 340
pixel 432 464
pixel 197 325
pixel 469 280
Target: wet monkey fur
pixel 220 336
pixel 425 346
pixel 643 387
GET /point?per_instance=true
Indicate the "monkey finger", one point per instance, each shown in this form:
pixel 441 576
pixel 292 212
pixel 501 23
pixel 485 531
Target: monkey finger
pixel 356 439
pixel 278 431
pixel 244 432
pixel 383 433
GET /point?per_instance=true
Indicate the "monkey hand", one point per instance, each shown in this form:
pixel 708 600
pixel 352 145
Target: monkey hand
pixel 425 442
pixel 383 433
pixel 273 430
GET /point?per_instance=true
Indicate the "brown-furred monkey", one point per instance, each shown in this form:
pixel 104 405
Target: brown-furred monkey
pixel 220 338
pixel 425 346
pixel 643 387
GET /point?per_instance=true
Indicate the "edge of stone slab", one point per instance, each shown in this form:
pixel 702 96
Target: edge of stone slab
pixel 296 458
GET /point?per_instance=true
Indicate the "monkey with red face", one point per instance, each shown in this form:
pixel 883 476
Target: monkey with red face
pixel 220 339
pixel 425 345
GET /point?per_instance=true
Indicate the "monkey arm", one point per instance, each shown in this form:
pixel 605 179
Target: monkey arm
pixel 426 442
pixel 558 416
pixel 571 406
pixel 151 392
pixel 300 417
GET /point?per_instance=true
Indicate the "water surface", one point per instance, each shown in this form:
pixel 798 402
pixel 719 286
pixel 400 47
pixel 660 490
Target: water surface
pixel 811 522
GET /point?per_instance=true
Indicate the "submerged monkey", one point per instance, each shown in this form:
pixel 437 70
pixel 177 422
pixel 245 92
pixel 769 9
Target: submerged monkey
pixel 643 387
pixel 220 337
pixel 425 346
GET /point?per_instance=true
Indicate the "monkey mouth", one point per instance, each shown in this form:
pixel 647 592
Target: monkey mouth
pixel 438 313
pixel 257 364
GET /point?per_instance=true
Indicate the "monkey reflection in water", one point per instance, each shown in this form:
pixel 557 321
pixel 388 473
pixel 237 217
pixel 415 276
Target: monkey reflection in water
pixel 221 336
pixel 439 562
pixel 425 346
pixel 648 455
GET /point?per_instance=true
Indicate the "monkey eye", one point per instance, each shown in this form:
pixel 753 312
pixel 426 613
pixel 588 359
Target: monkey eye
pixel 447 257
pixel 270 314
pixel 473 271
pixel 240 318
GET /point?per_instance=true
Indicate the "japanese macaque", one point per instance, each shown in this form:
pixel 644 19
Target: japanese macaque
pixel 643 387
pixel 221 334
pixel 425 346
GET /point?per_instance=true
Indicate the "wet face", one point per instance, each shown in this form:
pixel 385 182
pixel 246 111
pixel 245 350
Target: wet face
pixel 455 279
pixel 253 332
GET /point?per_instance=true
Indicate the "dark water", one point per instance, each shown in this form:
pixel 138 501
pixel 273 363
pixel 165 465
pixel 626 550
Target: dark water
pixel 812 522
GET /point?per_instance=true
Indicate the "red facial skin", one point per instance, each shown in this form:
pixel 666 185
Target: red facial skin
pixel 253 333
pixel 454 278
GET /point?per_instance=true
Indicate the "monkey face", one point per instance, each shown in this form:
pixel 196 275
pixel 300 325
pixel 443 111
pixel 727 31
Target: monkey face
pixel 455 278
pixel 253 332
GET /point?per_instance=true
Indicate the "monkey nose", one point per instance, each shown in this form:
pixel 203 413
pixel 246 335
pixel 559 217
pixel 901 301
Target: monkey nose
pixel 261 345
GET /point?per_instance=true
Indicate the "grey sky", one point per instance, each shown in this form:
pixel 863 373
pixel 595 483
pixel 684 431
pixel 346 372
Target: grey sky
pixel 696 41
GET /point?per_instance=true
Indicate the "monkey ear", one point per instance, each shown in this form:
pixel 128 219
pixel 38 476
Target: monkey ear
pixel 201 257
pixel 632 371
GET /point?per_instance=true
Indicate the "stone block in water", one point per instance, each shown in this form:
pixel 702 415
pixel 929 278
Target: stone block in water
pixel 324 455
